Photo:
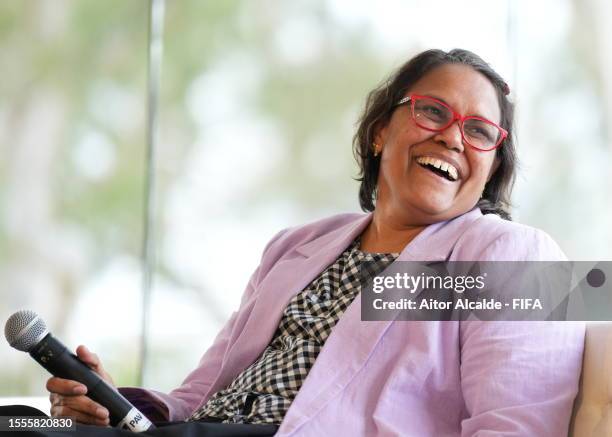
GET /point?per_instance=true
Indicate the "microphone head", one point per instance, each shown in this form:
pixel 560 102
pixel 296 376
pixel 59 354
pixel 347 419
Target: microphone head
pixel 24 330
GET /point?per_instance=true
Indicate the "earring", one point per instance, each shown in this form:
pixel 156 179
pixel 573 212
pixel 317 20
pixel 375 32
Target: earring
pixel 376 148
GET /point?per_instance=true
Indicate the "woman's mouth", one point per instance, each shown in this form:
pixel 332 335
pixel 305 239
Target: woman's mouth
pixel 439 167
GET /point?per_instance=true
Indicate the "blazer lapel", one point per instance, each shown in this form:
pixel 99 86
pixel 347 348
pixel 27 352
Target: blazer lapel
pixel 352 341
pixel 288 277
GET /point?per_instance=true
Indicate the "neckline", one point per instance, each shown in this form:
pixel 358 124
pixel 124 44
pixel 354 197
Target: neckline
pixel 355 247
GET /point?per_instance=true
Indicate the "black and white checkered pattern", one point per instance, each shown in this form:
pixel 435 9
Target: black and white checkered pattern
pixel 263 392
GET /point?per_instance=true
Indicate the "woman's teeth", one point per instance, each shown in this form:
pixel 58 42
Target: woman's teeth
pixel 447 170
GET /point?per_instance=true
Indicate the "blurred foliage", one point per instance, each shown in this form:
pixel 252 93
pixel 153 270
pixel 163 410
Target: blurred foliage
pixel 90 57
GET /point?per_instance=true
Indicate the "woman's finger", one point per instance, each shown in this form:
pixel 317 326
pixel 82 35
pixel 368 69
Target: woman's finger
pixel 65 387
pixel 81 417
pixel 83 405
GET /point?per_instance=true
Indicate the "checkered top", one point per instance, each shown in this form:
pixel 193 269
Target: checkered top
pixel 263 392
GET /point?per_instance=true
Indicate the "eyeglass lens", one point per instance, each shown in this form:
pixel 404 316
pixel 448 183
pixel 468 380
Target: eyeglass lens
pixel 433 115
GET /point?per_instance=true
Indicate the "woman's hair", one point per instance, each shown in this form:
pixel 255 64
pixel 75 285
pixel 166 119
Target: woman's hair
pixel 379 108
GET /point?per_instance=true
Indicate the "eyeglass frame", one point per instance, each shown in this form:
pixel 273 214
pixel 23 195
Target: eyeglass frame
pixel 456 116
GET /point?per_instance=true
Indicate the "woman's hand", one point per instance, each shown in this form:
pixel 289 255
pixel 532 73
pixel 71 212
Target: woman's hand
pixel 68 398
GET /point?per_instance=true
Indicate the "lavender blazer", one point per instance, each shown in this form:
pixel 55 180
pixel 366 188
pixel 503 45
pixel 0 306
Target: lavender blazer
pixel 401 378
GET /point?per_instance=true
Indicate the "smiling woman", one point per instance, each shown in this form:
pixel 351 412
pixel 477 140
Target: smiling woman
pixel 409 191
pixel 435 146
pixel 488 91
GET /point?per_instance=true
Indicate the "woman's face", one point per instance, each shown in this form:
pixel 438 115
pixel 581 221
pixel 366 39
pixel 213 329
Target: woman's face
pixel 411 192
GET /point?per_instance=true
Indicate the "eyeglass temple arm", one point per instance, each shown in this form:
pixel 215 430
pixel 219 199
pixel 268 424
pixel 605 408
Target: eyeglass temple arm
pixel 404 100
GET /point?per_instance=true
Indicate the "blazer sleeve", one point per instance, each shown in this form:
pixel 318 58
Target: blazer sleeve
pixel 180 403
pixel 520 378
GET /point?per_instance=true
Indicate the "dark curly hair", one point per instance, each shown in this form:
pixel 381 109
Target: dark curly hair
pixel 380 105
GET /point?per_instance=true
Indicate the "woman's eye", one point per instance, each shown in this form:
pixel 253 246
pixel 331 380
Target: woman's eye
pixel 479 132
pixel 432 111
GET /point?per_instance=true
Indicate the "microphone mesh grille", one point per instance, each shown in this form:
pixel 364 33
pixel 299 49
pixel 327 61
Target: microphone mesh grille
pixel 15 334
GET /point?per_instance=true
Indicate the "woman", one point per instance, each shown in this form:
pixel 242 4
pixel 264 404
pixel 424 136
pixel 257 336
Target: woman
pixel 435 148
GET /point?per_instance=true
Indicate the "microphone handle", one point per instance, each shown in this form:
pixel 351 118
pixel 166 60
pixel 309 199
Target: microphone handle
pixel 55 357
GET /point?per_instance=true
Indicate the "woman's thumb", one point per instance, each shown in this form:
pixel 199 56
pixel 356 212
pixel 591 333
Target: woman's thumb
pixel 88 357
pixel 92 360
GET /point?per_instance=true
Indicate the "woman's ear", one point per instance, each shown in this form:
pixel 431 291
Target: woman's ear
pixel 380 136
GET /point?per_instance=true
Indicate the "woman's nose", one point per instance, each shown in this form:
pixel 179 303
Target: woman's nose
pixel 451 137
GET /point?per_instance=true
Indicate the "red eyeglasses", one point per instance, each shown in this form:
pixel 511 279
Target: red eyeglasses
pixel 433 115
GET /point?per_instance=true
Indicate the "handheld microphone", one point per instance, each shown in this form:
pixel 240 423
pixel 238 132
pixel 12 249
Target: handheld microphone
pixel 27 332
